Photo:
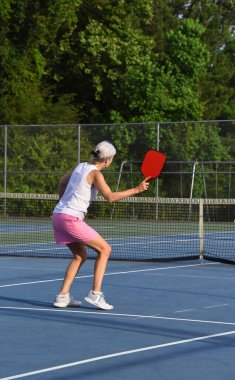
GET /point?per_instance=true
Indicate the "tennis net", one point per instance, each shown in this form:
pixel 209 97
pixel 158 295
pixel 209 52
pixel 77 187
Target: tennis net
pixel 137 228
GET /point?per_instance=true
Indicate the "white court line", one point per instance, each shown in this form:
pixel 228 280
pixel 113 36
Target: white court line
pixel 204 307
pixel 192 276
pixel 33 268
pixel 117 354
pixel 211 307
pixel 53 310
pixel 110 274
pixel 183 311
pixel 154 242
pixel 30 283
pixel 119 242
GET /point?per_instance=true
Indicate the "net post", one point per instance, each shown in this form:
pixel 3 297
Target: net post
pixel 5 159
pixel 5 170
pixel 79 143
pixel 156 180
pixel 201 229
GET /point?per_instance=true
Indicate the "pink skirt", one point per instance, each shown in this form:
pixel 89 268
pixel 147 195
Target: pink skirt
pixel 69 229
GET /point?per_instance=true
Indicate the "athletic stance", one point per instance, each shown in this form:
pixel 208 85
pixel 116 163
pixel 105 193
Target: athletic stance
pixel 77 190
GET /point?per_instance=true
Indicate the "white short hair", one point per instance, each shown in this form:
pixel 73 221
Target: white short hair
pixel 103 151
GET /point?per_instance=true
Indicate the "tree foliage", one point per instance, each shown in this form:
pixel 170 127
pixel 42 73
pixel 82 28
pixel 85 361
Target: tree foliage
pixel 119 61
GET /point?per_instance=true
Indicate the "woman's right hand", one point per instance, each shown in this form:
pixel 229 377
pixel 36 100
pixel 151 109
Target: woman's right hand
pixel 143 186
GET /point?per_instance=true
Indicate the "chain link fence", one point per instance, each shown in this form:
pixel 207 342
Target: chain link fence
pixel 200 156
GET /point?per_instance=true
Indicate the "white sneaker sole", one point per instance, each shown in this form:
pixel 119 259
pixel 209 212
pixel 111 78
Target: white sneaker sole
pixel 87 299
pixel 60 304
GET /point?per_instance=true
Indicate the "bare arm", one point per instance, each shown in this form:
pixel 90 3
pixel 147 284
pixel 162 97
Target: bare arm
pixel 63 182
pixel 97 178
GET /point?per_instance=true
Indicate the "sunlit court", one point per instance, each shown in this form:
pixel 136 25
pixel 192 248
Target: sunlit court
pixel 117 189
pixel 168 278
pixel 167 319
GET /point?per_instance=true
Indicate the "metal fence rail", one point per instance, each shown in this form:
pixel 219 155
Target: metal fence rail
pixel 187 176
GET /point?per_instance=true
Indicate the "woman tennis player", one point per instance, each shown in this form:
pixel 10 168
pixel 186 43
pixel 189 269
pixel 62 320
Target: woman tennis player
pixel 77 190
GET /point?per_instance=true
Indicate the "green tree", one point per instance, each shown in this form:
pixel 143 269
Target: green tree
pixel 217 85
pixel 115 61
pixel 27 96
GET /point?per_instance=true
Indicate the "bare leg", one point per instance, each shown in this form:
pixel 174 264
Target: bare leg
pixel 80 255
pixel 103 249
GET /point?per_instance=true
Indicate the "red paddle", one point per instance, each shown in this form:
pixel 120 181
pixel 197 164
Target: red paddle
pixel 152 164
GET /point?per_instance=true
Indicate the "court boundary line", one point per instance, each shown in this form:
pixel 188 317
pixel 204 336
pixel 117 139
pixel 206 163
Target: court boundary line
pixel 103 313
pixel 111 274
pixel 193 276
pixel 118 354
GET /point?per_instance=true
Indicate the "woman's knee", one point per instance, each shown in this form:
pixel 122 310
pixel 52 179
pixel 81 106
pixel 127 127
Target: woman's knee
pixel 100 246
pixel 104 250
pixel 81 255
pixel 107 249
pixel 79 252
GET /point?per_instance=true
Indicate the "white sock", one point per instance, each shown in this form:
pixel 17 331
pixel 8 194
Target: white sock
pixel 96 293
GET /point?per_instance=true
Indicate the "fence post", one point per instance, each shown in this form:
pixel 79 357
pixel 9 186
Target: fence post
pixel 158 145
pixel 5 160
pixel 79 143
pixel 201 228
pixel 5 172
pixel 156 181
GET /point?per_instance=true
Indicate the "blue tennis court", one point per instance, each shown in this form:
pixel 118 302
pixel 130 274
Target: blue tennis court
pixel 170 320
pixel 150 248
pixel 140 229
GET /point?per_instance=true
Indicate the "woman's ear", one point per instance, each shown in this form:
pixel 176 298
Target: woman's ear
pixel 108 161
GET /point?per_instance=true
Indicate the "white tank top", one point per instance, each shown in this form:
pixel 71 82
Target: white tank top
pixel 78 194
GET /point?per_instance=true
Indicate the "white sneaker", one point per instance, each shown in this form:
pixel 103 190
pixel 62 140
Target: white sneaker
pixel 98 300
pixel 65 301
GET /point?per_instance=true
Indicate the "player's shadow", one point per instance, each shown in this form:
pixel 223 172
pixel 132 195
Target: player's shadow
pixel 40 303
pixel 25 301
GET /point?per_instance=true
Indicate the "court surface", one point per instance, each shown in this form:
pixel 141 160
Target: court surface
pixel 172 320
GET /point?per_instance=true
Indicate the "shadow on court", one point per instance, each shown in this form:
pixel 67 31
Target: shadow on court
pixel 177 322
